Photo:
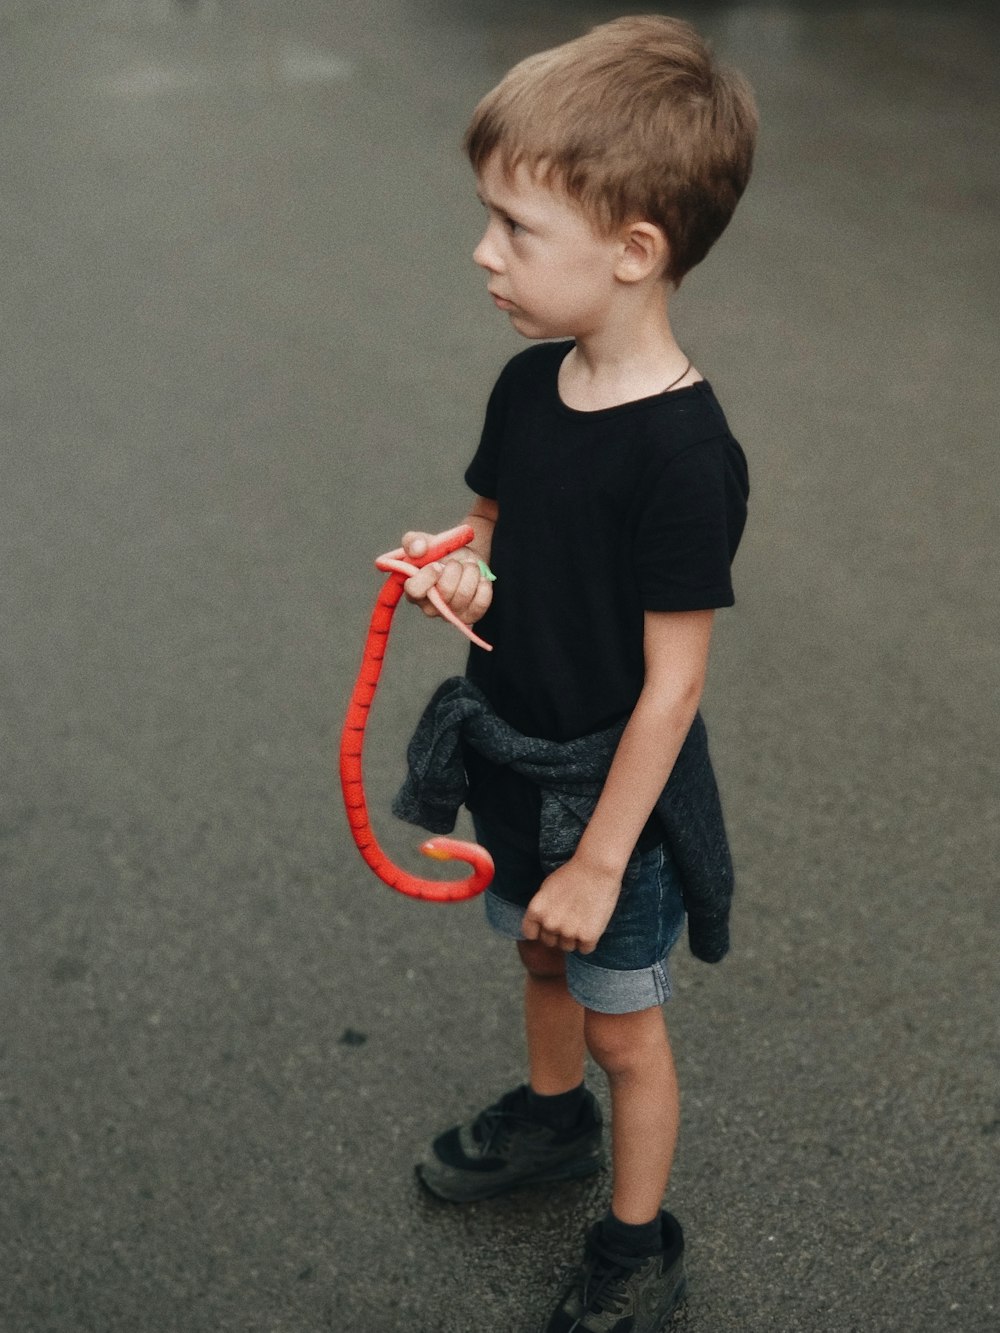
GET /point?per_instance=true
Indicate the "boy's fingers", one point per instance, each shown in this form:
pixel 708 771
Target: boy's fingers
pixel 415 543
pixel 418 585
pixel 567 943
pixel 459 584
pixel 534 929
pixel 467 591
pixel 448 579
pixel 480 603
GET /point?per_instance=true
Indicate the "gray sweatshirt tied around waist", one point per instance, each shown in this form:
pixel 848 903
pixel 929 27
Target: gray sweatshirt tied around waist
pixel 571 776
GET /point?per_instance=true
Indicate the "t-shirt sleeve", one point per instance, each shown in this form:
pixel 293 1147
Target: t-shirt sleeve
pixel 692 513
pixel 482 474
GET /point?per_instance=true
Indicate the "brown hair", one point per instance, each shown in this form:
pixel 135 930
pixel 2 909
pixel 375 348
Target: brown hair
pixel 634 120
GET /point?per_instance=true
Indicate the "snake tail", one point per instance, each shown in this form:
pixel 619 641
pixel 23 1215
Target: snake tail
pixel 351 766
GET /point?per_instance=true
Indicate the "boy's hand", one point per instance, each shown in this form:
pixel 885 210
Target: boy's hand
pixel 458 580
pixel 572 908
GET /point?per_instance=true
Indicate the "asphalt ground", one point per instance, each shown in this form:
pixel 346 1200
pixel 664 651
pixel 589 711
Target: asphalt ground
pixel 242 347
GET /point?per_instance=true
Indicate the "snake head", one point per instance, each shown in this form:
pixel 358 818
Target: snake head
pixel 450 849
pixel 437 849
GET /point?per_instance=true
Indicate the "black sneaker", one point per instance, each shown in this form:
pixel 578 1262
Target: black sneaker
pixel 611 1292
pixel 503 1148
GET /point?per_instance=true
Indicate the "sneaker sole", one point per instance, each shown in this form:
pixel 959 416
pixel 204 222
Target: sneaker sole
pixel 469 1193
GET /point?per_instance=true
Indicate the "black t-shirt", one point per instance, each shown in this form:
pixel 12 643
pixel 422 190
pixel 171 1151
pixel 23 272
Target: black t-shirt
pixel 602 516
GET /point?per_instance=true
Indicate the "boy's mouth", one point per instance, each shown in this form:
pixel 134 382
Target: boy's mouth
pixel 501 301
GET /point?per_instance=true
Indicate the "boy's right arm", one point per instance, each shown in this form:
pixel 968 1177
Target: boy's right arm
pixel 458 578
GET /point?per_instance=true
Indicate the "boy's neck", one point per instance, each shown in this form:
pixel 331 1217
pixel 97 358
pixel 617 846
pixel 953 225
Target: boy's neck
pixel 624 361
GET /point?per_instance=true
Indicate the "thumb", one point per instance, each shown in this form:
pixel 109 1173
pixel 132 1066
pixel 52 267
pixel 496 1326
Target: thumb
pixel 529 927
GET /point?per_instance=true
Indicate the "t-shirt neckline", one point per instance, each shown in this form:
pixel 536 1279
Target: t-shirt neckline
pixel 583 414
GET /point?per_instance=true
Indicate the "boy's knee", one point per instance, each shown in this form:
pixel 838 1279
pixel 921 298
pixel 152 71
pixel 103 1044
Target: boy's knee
pixel 607 1042
pixel 621 1043
pixel 542 962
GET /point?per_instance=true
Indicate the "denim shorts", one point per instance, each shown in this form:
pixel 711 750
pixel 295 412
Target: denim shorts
pixel 628 969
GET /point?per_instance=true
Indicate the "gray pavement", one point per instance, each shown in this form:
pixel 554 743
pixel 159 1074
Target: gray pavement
pixel 243 345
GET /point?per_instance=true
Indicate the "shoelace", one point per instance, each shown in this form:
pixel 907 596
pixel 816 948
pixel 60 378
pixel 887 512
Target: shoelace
pixel 488 1125
pixel 602 1279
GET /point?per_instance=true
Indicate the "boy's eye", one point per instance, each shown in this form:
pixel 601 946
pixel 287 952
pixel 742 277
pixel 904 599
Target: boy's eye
pixel 509 224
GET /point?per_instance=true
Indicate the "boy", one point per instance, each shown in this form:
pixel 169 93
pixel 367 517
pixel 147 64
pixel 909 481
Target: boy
pixel 611 498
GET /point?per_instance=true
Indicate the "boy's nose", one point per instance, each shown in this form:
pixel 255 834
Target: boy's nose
pixel 485 254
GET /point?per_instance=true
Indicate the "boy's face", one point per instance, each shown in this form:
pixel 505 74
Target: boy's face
pixel 547 267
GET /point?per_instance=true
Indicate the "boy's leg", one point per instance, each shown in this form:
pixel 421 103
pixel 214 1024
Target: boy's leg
pixel 553 1021
pixel 633 1265
pixel 634 1052
pixel 548 1130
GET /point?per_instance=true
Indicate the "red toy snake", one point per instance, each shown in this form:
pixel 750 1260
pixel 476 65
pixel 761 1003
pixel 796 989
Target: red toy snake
pixel 400 568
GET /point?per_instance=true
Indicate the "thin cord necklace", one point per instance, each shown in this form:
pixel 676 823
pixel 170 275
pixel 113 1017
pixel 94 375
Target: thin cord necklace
pixel 679 378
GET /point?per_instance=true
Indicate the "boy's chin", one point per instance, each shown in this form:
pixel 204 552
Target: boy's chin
pixel 531 328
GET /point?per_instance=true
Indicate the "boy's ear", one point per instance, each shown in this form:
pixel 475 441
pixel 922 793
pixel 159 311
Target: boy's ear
pixel 644 251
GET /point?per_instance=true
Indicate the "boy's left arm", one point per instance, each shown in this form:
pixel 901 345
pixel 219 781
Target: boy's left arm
pixel 572 908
